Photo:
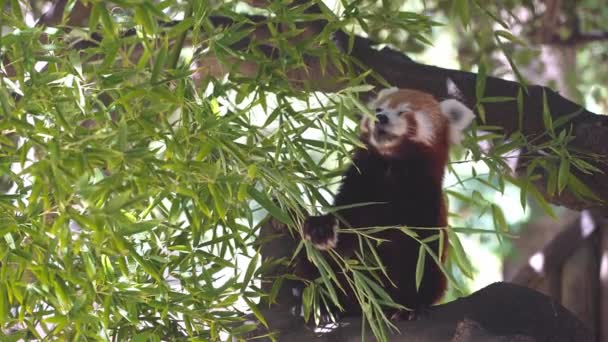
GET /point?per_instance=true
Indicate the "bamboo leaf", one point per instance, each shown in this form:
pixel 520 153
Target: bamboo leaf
pixel 457 251
pixel 159 62
pixel 4 304
pixel 267 204
pixel 579 188
pixel 253 264
pixel 547 119
pixel 420 266
pixel 256 311
pixel 509 36
pixel 307 301
pixel 563 174
pixel 462 9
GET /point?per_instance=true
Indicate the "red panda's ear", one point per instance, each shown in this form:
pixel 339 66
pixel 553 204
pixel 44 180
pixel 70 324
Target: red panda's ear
pixel 458 114
pixel 459 117
pixel 453 90
pixel 386 92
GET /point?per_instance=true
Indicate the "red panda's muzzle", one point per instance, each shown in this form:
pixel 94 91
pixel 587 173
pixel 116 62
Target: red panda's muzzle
pixel 382 135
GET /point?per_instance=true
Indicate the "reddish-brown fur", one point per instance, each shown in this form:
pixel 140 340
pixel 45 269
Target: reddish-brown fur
pixel 406 178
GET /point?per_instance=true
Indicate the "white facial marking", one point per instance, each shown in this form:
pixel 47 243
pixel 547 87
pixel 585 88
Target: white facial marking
pixel 381 96
pixel 403 107
pixel 385 136
pixel 425 133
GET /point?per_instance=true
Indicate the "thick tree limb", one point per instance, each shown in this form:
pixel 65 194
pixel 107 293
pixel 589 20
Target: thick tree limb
pixel 499 312
pixel 590 130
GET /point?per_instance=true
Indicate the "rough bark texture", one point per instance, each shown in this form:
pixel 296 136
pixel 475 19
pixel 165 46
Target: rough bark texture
pixel 499 312
pixel 580 284
pixel 572 268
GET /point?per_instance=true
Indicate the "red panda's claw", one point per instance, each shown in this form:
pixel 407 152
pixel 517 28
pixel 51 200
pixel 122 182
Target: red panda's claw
pixel 322 231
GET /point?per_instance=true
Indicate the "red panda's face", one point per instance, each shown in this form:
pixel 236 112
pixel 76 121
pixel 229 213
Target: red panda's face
pixel 404 117
pixel 410 122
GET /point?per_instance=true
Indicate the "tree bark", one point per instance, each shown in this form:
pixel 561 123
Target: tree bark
pixel 580 284
pixel 499 312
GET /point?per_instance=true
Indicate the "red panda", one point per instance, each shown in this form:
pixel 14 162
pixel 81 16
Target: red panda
pixel 400 171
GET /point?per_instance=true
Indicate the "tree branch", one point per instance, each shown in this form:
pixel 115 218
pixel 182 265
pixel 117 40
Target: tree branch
pixel 499 312
pixel 553 256
pixel 577 38
pixel 590 130
pixel 558 16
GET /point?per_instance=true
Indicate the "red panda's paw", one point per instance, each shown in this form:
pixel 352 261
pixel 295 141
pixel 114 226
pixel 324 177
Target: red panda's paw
pixel 322 231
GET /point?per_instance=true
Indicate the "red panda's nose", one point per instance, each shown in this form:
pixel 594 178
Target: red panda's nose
pixel 382 119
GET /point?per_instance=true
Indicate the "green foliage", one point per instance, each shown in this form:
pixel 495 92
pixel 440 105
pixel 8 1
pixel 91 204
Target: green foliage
pixel 132 196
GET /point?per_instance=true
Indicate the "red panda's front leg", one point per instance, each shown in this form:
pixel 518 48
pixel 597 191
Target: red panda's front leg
pixel 322 230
